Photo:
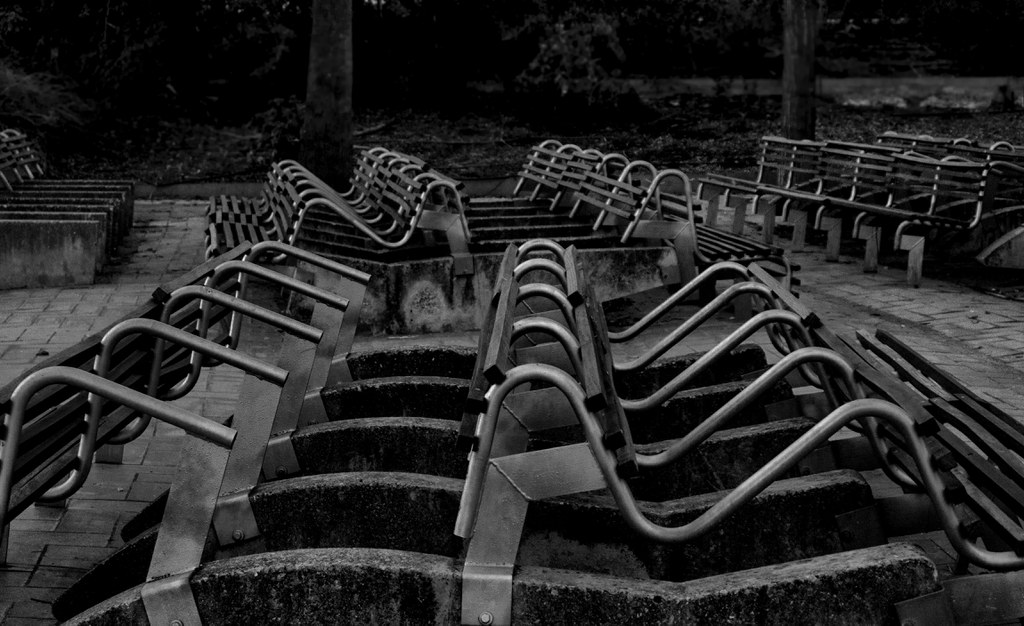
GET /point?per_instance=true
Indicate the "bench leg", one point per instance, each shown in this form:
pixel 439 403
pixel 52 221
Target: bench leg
pixel 834 227
pixel 739 218
pixel 685 246
pixel 743 305
pixel 714 208
pixel 914 245
pixel 110 454
pixel 799 220
pixel 872 236
pixel 768 234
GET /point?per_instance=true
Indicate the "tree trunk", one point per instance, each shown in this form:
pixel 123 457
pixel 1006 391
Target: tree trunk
pixel 801 19
pixel 326 139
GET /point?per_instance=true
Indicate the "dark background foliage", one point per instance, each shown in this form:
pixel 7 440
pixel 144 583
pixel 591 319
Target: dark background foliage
pixel 75 69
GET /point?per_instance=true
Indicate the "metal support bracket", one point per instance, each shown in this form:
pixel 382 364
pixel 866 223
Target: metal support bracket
pixel 169 601
pixel 860 528
pixel 233 519
pixel 280 459
pixel 931 609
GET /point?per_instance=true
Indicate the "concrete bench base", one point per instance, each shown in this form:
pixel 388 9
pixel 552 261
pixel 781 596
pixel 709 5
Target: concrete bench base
pixel 50 253
pixel 364 586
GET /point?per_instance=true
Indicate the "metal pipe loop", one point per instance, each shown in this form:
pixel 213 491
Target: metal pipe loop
pixel 682 293
pixel 546 265
pixel 734 339
pixel 550 327
pixel 706 312
pixel 196 344
pixel 283 249
pixel 553 294
pixel 95 385
pixel 208 296
pixel 540 245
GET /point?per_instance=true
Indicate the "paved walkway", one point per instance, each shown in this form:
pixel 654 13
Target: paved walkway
pixel 979 338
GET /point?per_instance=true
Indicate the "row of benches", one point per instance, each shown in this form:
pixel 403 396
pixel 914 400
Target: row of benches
pixel 874 191
pixel 956 455
pixel 42 218
pixel 641 202
pixel 395 202
pixel 573 380
pixel 103 391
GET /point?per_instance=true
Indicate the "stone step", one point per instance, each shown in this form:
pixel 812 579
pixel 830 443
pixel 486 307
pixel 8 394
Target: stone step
pixel 363 586
pixel 793 519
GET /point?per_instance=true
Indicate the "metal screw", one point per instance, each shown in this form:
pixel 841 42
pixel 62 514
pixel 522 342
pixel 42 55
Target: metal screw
pixel 237 535
pixel 177 622
pixel 486 619
pixel 281 471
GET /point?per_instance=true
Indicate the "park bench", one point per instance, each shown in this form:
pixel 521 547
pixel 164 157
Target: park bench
pixel 171 330
pixel 782 163
pixel 503 477
pixel 655 210
pixel 920 143
pixel 409 203
pixel 22 175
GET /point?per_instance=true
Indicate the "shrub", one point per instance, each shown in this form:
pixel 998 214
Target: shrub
pixel 39 101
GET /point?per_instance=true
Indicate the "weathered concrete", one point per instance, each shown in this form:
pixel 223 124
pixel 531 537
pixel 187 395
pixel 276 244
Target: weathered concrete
pixel 446 361
pixel 358 586
pixel 45 253
pixel 424 295
pixel 417 396
pixel 792 519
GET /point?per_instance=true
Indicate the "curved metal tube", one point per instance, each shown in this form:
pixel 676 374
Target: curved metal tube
pixel 97 386
pixel 245 269
pixel 206 294
pixel 682 293
pixel 861 409
pixel 734 339
pixel 358 223
pixel 553 294
pixel 692 323
pixel 546 265
pixel 87 441
pixel 550 327
pixel 284 249
pixel 549 245
pixel 745 398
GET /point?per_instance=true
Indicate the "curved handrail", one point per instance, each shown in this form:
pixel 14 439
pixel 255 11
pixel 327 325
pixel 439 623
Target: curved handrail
pixel 680 294
pixel 726 346
pixel 570 343
pixel 206 295
pixel 162 332
pixel 550 245
pixel 546 265
pixel 705 313
pixel 861 409
pixel 553 294
pixel 192 423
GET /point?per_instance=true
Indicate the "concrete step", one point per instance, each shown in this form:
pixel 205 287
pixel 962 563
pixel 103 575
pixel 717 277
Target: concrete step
pixel 792 519
pixel 856 587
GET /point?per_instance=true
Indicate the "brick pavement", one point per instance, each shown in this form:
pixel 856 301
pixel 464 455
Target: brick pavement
pixel 979 338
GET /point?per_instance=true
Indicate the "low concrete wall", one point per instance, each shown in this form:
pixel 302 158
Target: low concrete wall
pixel 424 297
pixel 49 253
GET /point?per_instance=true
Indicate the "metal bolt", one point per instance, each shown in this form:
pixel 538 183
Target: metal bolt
pixel 281 471
pixel 238 535
pixel 486 618
pixel 177 622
